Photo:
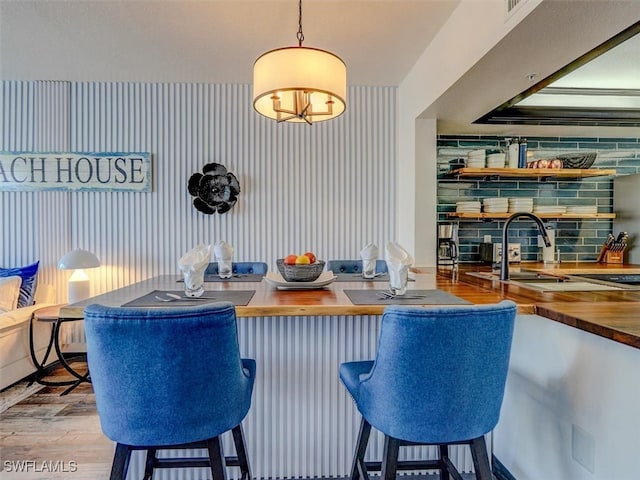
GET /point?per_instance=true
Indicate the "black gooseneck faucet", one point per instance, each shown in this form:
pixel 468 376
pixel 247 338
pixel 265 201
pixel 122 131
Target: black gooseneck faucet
pixel 504 262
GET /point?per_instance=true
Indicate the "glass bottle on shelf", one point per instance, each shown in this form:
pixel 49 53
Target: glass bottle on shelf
pixel 513 153
pixel 522 153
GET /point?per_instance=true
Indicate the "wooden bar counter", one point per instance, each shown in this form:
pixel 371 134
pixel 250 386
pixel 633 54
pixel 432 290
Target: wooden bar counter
pixel 610 314
pixel 269 301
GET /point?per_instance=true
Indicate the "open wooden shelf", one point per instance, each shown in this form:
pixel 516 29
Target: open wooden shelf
pixel 560 216
pixel 490 173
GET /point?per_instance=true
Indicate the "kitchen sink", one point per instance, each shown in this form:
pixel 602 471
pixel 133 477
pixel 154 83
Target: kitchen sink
pixel 631 279
pixel 542 282
pixel 531 276
pixel 522 277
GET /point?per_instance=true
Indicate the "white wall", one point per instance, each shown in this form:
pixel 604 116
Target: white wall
pixel 330 187
pixel 473 29
pixel 567 386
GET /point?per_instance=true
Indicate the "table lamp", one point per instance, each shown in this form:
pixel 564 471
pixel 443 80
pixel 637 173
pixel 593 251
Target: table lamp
pixel 77 260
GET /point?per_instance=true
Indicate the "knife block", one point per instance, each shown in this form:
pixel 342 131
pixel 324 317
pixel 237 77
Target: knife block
pixel 614 257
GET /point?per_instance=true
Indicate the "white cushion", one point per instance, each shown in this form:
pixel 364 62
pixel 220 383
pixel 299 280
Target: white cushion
pixel 9 292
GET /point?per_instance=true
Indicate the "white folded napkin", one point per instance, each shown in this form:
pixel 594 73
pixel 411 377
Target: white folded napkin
pixel 369 252
pixel 195 258
pixel 398 263
pixel 223 251
pixel 396 256
pixel 193 264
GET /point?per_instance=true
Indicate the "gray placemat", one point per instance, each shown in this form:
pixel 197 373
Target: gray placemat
pixel 357 277
pixel 238 277
pixel 237 297
pixel 412 297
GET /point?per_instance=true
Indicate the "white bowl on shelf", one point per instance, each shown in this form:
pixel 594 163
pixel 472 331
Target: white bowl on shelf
pixel 480 152
pixel 550 209
pixel 476 164
pixel 496 160
pixel 496 210
pixel 582 209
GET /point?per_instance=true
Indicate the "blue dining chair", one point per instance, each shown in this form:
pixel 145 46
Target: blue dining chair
pixel 438 379
pixel 241 268
pixel 170 378
pixel 353 266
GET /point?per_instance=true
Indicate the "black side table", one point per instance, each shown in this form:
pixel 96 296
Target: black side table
pixel 51 315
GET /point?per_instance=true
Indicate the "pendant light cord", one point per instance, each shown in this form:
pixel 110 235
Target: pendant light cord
pixel 300 34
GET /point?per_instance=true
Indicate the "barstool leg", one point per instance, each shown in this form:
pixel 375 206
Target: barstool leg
pixel 358 469
pixel 444 460
pixel 241 452
pixel 480 459
pixel 150 464
pixel 120 462
pixel 216 458
pixel 390 458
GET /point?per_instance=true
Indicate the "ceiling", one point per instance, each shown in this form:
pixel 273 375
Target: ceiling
pixel 602 87
pixel 213 41
pixel 216 41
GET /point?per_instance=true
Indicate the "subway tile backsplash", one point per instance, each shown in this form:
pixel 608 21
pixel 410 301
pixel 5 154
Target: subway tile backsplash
pixel 576 239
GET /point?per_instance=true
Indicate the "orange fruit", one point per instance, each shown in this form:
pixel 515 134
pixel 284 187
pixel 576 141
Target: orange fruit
pixel 290 259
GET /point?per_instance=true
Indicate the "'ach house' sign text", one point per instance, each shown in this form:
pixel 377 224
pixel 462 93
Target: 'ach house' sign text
pixel 24 171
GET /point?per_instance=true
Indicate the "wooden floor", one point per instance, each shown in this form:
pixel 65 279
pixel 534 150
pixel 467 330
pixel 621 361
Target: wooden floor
pixel 49 437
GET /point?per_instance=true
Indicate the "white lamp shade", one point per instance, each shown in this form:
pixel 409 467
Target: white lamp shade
pixel 291 69
pixel 78 259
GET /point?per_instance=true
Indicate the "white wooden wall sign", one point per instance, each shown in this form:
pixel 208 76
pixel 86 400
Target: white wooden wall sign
pixel 75 171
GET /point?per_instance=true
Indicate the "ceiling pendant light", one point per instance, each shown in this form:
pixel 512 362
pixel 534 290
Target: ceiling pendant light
pixel 299 84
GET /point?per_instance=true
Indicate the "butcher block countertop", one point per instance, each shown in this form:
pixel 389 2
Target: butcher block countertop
pixel 610 314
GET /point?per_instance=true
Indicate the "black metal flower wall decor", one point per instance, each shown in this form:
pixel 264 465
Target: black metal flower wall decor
pixel 215 190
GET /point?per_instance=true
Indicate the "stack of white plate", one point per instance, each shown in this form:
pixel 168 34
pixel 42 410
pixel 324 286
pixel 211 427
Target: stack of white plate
pixel 520 205
pixel 476 159
pixel 550 209
pixel 582 209
pixel 495 205
pixel 468 207
pixel 496 160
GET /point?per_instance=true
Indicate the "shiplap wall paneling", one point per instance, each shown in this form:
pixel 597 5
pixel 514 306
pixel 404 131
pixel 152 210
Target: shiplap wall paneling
pixel 303 188
pixel 36 225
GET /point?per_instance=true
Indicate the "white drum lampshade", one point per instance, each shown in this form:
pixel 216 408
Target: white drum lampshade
pixel 299 84
pixel 79 285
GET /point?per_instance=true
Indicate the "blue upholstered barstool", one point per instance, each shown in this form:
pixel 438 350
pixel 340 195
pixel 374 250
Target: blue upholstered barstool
pixel 170 378
pixel 353 266
pixel 240 268
pixel 438 379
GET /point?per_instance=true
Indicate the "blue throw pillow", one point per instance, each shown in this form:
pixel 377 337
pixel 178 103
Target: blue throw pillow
pixel 29 275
